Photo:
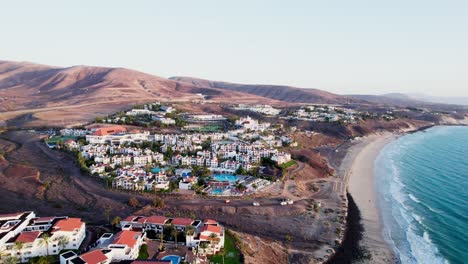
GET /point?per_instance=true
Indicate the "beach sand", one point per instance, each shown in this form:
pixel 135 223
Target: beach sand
pixel 359 172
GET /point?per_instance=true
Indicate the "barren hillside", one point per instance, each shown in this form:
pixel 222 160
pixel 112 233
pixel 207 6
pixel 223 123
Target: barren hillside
pixel 34 94
pixel 276 92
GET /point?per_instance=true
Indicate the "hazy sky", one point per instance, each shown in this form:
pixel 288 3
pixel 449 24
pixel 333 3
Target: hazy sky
pixel 349 46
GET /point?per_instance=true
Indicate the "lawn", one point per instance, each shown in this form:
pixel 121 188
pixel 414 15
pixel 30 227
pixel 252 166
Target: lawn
pixel 287 164
pixel 232 254
pixel 143 254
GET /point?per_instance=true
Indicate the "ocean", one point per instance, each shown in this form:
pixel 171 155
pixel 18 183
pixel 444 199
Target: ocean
pixel 422 184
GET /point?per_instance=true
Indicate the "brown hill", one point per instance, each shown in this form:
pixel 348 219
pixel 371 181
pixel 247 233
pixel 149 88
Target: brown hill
pixel 33 94
pixel 44 95
pixel 276 92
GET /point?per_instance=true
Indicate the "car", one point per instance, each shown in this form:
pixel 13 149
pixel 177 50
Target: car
pixel 256 204
pixel 227 201
pixel 283 203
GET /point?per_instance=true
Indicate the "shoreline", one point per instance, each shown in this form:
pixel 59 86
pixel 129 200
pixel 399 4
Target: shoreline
pixel 361 184
pixel 357 170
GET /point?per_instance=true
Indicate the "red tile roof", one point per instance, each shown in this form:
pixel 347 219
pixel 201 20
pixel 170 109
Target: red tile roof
pixel 156 219
pixel 14 215
pixel 210 222
pixel 94 257
pixel 202 237
pixel 212 229
pixel 126 237
pixel 109 130
pixel 141 220
pixel 130 218
pixel 182 221
pixel 27 237
pixel 44 219
pixel 69 224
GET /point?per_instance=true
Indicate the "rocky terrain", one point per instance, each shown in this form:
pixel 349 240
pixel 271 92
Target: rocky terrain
pixel 39 95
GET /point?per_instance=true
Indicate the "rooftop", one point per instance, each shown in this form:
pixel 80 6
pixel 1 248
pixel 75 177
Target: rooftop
pixel 155 219
pixel 94 257
pixel 28 237
pixel 126 237
pixel 182 221
pixel 69 224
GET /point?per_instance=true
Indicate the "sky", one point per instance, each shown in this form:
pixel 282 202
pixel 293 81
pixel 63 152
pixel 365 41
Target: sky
pixel 360 47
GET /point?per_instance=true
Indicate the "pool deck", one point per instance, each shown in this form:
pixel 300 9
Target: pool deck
pixel 181 251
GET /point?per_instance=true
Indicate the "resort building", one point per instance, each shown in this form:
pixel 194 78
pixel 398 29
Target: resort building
pixel 39 236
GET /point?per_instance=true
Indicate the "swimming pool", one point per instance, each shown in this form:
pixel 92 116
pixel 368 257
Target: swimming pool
pixel 173 258
pixel 225 177
pixel 217 191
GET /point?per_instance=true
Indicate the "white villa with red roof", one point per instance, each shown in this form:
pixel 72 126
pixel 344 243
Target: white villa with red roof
pixel 122 246
pixel 39 236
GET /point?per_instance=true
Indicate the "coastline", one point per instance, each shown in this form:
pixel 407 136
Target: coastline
pixel 364 241
pixel 361 186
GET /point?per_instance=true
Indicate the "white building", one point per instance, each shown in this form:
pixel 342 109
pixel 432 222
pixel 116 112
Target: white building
pixel 251 124
pixel 164 120
pixel 137 112
pixel 39 236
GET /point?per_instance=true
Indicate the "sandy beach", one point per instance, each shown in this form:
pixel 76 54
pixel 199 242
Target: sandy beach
pixel 358 166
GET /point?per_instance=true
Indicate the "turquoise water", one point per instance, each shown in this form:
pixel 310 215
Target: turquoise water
pixel 225 177
pixel 217 191
pixel 422 179
pixel 173 258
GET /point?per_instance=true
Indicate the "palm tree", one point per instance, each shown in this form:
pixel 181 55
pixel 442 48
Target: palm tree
pixel 161 237
pixel 19 246
pixel 222 252
pixel 213 237
pixel 174 233
pixel 63 242
pixel 46 239
pixel 203 246
pixel 116 221
pixel 8 259
pixel 189 232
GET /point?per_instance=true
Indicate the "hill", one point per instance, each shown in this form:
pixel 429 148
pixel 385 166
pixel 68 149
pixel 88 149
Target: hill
pixel 276 92
pixel 44 95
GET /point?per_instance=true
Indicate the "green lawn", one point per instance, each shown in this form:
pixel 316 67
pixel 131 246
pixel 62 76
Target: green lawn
pixel 232 254
pixel 143 254
pixel 287 164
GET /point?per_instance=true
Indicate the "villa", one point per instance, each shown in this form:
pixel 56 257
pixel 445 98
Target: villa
pixel 122 246
pixel 39 236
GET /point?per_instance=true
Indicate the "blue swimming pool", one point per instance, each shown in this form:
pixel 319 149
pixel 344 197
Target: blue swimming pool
pixel 173 258
pixel 217 191
pixel 225 177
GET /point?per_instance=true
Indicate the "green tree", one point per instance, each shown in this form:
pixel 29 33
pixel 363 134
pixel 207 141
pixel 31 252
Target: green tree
pixel 45 241
pixel 190 230
pixel 63 242
pixel 175 234
pixel 116 221
pixel 8 259
pixel 222 252
pixel 161 239
pixel 19 247
pixel 213 237
pixel 203 246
